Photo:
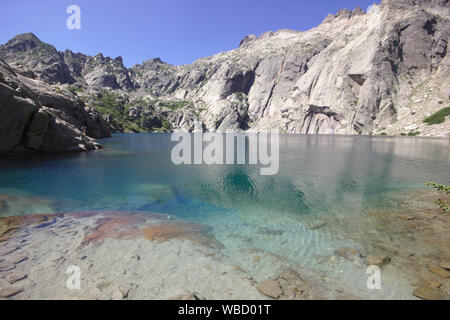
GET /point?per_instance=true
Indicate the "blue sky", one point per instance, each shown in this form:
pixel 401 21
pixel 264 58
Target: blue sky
pixel 177 31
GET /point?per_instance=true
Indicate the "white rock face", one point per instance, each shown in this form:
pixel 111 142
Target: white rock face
pixel 347 76
pixel 356 73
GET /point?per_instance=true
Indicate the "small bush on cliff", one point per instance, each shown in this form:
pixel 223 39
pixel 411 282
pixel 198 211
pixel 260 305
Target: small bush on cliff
pixel 443 188
pixel 438 117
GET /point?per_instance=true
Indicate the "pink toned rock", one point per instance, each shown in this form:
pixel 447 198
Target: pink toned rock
pixel 445 265
pixel 10 292
pixel 432 280
pixel 7 251
pixel 439 271
pixel 19 259
pixel 270 288
pixel 378 260
pixel 4 266
pixel 429 293
pixel 15 277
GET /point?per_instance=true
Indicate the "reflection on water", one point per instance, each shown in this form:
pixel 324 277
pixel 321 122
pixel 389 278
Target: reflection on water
pixel 330 179
pixel 318 175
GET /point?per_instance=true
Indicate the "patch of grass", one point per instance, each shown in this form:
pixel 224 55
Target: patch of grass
pixel 74 89
pixel 241 96
pixel 108 103
pixel 165 124
pixel 174 105
pixel 438 117
pixel 413 133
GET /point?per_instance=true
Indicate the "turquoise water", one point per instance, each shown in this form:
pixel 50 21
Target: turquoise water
pixel 321 178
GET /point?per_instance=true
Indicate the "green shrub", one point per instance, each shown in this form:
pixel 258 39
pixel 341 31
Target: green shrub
pixel 383 134
pixel 445 189
pixel 438 117
pixel 74 89
pixel 413 133
pixel 174 105
pixel 166 124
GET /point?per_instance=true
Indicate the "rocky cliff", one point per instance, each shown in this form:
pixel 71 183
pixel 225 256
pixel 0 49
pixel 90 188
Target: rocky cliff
pixel 38 117
pixel 380 72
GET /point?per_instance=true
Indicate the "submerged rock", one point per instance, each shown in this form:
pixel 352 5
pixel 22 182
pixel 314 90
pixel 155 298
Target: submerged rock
pixel 15 277
pixel 429 293
pixel 270 288
pixel 445 265
pixel 439 271
pixel 10 292
pixel 377 260
pixel 349 254
pixel 271 232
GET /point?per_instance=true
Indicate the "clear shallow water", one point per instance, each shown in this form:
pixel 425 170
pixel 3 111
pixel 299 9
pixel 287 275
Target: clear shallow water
pixel 321 178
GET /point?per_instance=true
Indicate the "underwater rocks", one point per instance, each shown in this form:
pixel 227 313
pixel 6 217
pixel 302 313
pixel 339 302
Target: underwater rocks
pixel 429 293
pixel 289 285
pixel 24 204
pixel 135 255
pixel 445 265
pixel 349 254
pixel 15 277
pixel 9 226
pixel 439 271
pixel 317 225
pixel 153 227
pixel 270 232
pixel 377 260
pixel 414 238
pixel 10 292
pixel 270 288
pixel 121 255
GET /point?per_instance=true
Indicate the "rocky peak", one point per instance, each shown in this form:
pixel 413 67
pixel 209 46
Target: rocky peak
pixel 402 4
pixel 246 40
pixel 23 42
pixel 344 14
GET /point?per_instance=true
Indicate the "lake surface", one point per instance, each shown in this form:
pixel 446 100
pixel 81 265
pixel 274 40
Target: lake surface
pixel 331 181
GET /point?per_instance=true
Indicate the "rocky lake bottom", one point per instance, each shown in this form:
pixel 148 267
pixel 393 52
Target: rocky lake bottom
pixel 140 227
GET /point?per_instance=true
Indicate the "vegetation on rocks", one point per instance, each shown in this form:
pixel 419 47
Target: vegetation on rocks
pixel 107 103
pixel 444 205
pixel 438 117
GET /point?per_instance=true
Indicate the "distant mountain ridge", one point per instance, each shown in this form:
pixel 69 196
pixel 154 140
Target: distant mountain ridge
pixel 381 72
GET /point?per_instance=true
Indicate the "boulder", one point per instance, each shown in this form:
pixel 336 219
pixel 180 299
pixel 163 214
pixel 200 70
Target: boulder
pixel 270 288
